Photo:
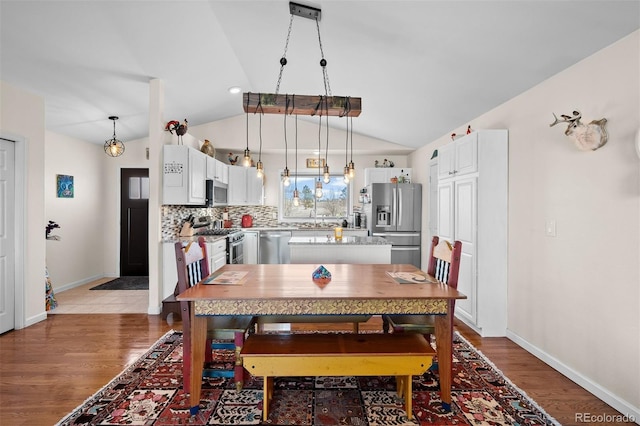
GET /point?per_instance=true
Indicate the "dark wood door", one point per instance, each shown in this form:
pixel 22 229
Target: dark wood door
pixel 134 222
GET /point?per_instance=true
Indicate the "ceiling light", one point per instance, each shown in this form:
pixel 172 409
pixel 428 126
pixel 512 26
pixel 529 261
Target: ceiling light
pixel 234 90
pixel 113 147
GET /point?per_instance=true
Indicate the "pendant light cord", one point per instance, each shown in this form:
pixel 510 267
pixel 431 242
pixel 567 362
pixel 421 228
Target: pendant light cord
pixel 283 59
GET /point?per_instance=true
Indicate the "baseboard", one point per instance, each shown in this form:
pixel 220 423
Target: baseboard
pixel 78 283
pixel 154 310
pixel 35 319
pixel 624 407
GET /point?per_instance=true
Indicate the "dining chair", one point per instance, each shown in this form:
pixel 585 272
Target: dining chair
pixel 444 265
pixel 193 266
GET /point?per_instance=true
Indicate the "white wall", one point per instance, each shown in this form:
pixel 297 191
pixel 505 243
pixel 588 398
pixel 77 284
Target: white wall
pixel 78 257
pixel 574 299
pixel 22 115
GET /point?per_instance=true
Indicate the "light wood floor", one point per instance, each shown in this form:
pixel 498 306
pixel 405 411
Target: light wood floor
pixel 81 300
pixel 48 369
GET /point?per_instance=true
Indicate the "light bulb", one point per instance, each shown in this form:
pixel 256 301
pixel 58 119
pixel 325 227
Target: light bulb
pixel 352 170
pixel 346 174
pixel 318 189
pixel 326 175
pixel 259 169
pixel 285 177
pixel 246 161
pixel 296 198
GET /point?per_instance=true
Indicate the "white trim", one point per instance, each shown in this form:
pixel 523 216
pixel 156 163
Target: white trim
pixel 624 407
pixel 79 283
pixel 20 227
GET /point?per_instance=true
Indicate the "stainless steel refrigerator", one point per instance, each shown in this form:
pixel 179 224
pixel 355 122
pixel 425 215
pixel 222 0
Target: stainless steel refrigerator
pixel 395 213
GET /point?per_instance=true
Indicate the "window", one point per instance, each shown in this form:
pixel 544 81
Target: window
pixel 334 205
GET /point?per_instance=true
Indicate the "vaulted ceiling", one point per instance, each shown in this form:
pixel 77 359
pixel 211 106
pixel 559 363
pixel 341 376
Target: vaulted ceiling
pixel 422 68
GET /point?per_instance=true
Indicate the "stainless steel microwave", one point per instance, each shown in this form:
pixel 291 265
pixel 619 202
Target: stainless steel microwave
pixel 216 193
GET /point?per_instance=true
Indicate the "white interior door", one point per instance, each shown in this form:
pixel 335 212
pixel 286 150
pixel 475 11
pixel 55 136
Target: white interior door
pixel 7 237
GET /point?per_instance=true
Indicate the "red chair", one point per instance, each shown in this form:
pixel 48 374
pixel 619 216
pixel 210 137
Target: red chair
pixel 444 264
pixel 192 262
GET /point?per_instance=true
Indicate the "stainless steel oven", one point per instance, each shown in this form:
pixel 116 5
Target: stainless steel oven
pixel 235 252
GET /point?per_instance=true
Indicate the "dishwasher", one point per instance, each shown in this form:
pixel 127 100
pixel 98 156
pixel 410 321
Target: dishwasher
pixel 274 247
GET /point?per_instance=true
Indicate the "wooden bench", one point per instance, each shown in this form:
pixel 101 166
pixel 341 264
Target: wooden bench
pixel 284 355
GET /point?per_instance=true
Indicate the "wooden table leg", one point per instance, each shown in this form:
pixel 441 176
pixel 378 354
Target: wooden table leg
pixel 444 343
pixel 198 343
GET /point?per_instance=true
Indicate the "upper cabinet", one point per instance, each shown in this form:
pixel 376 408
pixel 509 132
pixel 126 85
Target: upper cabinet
pixel 459 157
pixel 385 174
pixel 183 175
pixel 217 170
pixel 245 188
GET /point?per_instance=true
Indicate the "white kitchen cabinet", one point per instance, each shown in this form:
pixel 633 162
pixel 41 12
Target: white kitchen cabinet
pixel 217 253
pixel 472 207
pixel 184 175
pixel 217 170
pixel 245 188
pixel 250 247
pixel 458 157
pixel 385 174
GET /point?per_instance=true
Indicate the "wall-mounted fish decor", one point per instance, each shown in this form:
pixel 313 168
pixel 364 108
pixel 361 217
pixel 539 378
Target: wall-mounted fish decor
pixel 587 137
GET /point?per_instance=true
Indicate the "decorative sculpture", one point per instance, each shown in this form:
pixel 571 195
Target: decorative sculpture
pixel 587 137
pixel 179 128
pixel 207 148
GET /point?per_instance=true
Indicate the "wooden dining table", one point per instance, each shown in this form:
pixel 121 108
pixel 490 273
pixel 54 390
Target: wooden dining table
pixel 288 289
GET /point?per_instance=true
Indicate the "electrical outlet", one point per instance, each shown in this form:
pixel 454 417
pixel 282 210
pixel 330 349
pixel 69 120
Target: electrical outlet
pixel 550 228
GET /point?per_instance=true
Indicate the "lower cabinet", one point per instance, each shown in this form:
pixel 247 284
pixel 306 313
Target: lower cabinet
pixel 250 247
pixel 217 252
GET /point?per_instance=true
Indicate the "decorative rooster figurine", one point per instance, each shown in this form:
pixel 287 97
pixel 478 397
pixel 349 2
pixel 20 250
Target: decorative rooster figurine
pixel 232 160
pixel 180 128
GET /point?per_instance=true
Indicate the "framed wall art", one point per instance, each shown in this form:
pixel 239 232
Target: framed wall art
pixel 64 186
pixel 313 163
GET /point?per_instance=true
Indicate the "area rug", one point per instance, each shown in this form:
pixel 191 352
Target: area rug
pixel 124 283
pixel 149 392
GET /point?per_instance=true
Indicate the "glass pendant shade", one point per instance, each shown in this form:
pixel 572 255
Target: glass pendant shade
pixel 296 198
pixel 318 189
pixel 259 169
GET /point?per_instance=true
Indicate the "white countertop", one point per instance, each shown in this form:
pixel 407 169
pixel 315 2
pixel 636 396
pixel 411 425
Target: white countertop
pixel 346 240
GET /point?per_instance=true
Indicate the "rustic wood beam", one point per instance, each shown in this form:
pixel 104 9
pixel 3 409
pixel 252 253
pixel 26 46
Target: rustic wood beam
pixel 270 103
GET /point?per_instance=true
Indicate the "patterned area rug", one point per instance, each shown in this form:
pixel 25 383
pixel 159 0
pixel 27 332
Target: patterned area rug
pixel 149 393
pixel 124 283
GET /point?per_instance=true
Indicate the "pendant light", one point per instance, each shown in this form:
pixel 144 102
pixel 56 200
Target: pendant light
pixel 326 174
pixel 285 174
pixel 113 147
pixel 346 154
pixel 296 194
pixel 352 166
pixel 318 192
pixel 259 165
pixel 246 159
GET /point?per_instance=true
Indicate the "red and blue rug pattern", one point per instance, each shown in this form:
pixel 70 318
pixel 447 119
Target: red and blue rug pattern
pixel 149 392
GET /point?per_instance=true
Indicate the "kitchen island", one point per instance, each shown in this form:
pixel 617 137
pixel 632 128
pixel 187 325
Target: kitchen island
pixel 350 249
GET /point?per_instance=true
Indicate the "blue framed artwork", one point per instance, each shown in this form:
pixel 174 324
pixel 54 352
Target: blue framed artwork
pixel 64 185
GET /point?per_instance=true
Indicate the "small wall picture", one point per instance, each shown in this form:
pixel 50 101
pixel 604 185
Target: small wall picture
pixel 313 163
pixel 64 185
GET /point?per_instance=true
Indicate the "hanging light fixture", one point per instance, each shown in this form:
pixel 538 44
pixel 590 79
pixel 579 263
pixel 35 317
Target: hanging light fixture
pixel 296 194
pixel 113 147
pixel 259 165
pixel 346 155
pixel 318 192
pixel 326 174
pixel 275 103
pixel 285 174
pixel 246 159
pixel 352 166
